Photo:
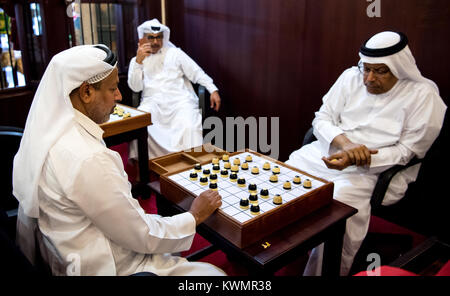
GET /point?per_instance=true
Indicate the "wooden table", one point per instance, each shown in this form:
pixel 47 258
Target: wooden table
pixel 326 225
pixel 120 130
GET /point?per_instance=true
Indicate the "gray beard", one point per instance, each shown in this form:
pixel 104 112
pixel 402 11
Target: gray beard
pixel 154 63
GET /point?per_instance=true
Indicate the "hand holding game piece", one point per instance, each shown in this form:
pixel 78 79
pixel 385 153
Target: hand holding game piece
pixel 204 205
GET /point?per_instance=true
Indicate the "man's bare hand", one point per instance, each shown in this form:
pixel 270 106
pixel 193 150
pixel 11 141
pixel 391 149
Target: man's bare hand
pixel 204 205
pixel 349 154
pixel 143 51
pixel 337 161
pixel 215 101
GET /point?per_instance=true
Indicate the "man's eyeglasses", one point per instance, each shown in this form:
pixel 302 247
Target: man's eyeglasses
pixel 377 72
pixel 159 37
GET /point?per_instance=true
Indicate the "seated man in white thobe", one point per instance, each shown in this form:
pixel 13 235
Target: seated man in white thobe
pixel 375 116
pixel 73 192
pixel 164 73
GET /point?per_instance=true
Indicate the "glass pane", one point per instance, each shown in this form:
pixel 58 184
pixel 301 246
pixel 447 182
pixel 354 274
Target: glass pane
pixel 10 59
pixel 96 23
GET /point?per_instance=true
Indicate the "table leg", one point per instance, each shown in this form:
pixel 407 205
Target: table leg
pixel 143 155
pixel 332 253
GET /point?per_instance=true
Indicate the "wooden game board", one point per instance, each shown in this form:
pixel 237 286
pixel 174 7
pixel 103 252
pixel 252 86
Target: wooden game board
pixel 118 124
pixel 240 226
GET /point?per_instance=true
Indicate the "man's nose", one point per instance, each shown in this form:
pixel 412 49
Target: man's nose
pixel 370 76
pixel 118 96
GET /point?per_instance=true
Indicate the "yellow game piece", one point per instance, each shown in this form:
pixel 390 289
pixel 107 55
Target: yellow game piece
pixel 237 161
pixel 215 160
pixel 276 169
pixel 277 199
pixel 126 115
pixel 266 166
pixel 244 166
pixel 255 170
pixel 287 185
pixel 235 168
pixel 225 157
pixel 297 180
pixel 273 178
pixel 227 165
pixel 307 184
pixel 248 158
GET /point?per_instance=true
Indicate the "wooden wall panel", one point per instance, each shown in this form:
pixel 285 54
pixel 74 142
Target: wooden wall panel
pixel 278 58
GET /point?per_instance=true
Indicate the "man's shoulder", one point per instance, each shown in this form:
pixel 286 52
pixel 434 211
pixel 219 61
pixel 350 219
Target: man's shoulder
pixel 351 78
pixel 75 145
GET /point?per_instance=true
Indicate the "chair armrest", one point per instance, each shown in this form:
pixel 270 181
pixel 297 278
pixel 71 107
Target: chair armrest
pixel 201 92
pixel 384 179
pixel 309 137
pixel 135 99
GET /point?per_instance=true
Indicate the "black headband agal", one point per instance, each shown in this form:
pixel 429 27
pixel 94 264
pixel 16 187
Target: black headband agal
pixel 111 57
pixel 156 28
pixel 383 52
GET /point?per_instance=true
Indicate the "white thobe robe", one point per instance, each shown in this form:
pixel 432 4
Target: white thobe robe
pixel 401 124
pixel 164 79
pixel 89 224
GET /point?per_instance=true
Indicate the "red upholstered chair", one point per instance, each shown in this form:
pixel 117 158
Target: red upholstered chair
pixel 431 258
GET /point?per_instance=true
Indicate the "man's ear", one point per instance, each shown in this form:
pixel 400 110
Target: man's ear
pixel 86 93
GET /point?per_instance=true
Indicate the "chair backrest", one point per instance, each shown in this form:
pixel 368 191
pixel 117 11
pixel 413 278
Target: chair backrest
pixel 10 138
pixel 13 261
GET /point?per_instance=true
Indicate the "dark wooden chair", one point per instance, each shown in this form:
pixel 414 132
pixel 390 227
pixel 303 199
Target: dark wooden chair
pixel 384 179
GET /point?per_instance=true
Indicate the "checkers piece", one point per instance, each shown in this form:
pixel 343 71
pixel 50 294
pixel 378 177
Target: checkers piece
pixel 307 184
pixel 273 178
pixel 253 198
pixel 213 186
pixel 277 199
pixel 276 170
pixel 203 180
pixel 254 209
pixel 233 177
pixel 193 176
pixel 244 203
pixel 255 170
pixel 287 185
pixel 264 193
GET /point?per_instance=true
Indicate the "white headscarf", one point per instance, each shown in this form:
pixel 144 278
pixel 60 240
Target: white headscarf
pixel 51 114
pixel 153 27
pixel 402 63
